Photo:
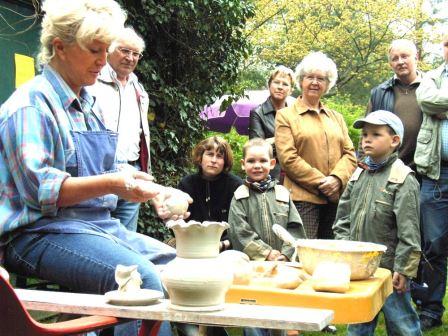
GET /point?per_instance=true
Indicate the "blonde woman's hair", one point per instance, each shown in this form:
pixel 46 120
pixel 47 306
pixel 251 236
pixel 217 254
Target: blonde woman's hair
pixel 318 61
pixel 80 21
pixel 129 36
pixel 284 71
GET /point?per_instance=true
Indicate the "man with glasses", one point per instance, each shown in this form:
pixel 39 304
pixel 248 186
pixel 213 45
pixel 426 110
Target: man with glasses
pixel 122 102
pixel 397 95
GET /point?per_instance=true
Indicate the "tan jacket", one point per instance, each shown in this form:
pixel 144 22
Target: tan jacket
pixel 311 146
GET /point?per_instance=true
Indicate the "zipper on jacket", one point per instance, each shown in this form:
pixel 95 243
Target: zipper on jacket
pixel 207 197
pixel 361 217
pixel 266 222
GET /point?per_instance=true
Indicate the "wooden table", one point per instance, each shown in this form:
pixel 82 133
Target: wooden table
pixel 233 315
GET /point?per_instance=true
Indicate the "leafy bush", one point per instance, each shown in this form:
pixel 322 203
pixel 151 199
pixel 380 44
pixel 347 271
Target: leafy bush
pixel 194 50
pixel 350 112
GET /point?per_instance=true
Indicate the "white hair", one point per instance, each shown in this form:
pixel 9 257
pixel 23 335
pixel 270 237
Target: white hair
pixel 129 36
pixel 318 61
pixel 80 21
pixel 402 43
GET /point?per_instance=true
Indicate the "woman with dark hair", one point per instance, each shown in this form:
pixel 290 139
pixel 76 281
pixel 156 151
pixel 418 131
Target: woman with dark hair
pixel 211 189
pixel 212 186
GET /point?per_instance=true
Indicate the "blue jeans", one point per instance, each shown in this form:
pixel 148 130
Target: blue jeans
pixel 434 222
pixel 83 262
pixel 127 213
pixel 400 317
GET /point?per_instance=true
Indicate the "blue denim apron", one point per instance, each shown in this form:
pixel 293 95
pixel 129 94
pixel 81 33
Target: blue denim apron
pixel 95 155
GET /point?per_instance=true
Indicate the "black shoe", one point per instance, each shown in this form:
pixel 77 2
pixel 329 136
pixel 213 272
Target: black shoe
pixel 427 323
pixel 331 329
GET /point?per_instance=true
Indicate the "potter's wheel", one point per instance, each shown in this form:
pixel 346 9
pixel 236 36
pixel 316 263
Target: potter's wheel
pixel 196 309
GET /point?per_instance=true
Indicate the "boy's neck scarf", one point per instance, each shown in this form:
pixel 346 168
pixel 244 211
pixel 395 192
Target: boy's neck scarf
pixel 373 165
pixel 260 186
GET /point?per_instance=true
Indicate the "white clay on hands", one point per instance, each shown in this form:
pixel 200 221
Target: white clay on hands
pixel 172 204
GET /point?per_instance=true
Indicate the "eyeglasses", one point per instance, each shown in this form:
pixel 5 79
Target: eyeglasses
pixel 320 80
pixel 397 58
pixel 129 53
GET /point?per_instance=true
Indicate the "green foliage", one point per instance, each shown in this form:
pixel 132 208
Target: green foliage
pixel 355 34
pixel 194 50
pixel 236 142
pixel 350 111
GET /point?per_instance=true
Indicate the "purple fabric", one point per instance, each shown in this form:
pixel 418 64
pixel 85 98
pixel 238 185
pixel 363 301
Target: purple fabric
pixel 236 115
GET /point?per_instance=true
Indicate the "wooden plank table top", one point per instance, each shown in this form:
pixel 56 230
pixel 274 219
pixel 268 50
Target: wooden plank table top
pixel 238 315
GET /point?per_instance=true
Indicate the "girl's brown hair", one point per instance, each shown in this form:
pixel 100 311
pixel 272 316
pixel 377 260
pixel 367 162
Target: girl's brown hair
pixel 221 145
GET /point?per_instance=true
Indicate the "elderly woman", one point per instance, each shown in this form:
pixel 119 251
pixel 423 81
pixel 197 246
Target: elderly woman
pixel 262 118
pixel 58 171
pixel 314 147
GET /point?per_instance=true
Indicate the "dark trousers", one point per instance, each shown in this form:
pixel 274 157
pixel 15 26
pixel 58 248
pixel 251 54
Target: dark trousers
pixel 434 221
pixel 317 219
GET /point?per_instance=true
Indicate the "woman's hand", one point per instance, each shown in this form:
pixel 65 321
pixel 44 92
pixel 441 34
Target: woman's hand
pixel 162 210
pixel 399 282
pixel 330 187
pixel 136 186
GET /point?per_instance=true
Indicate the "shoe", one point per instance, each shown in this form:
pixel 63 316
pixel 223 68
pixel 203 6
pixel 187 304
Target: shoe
pixel 427 323
pixel 331 329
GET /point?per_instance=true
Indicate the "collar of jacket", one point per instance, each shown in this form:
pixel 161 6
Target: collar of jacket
pixel 301 107
pixel 436 74
pixel 391 159
pixel 267 107
pixel 109 76
pixel 417 80
pixel 387 85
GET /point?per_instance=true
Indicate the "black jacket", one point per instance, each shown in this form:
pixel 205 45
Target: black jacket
pixel 211 199
pixel 262 125
pixel 262 121
pixel 382 96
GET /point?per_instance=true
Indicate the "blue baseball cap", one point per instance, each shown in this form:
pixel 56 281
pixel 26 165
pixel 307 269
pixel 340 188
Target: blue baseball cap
pixel 382 117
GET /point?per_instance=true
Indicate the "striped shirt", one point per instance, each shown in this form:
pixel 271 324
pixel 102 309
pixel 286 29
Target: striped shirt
pixel 35 145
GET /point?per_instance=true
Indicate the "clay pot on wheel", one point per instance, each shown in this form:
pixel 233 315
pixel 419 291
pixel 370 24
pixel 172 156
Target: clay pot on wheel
pixel 196 279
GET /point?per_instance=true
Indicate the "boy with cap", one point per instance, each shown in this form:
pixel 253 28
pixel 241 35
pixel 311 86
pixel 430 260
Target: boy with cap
pixel 381 205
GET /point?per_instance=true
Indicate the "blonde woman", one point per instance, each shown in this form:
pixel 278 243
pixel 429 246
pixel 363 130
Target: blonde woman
pixel 262 118
pixel 57 163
